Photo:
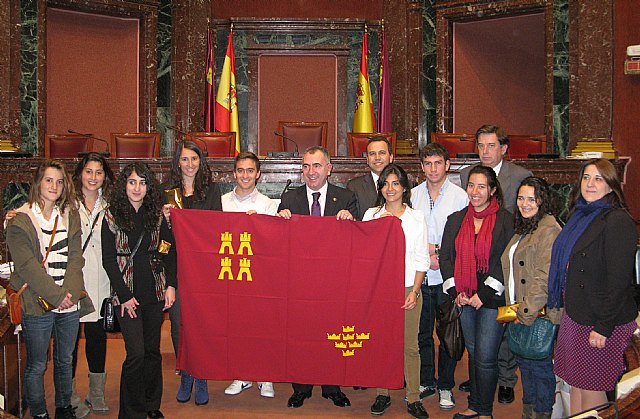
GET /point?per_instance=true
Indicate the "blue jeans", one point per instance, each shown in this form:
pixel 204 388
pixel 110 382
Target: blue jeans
pixel 538 383
pixel 432 298
pixel 37 331
pixel 482 336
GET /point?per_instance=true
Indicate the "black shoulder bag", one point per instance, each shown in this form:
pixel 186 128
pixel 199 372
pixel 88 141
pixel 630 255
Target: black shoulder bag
pixel 108 309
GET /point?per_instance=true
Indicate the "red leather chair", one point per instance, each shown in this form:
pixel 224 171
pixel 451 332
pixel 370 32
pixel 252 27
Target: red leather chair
pixel 135 145
pixel 66 145
pixel 520 146
pixel 358 141
pixel 218 144
pixel 455 143
pixel 305 134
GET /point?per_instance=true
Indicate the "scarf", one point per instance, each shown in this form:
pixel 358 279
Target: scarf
pixel 472 253
pixel 563 246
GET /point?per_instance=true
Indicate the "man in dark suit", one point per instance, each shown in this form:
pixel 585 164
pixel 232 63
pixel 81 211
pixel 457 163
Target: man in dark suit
pixel 379 155
pixel 493 144
pixel 318 197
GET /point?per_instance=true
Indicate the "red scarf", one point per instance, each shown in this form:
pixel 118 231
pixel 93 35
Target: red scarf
pixel 472 254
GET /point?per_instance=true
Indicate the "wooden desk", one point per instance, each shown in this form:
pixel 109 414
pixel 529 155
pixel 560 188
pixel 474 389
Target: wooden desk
pixel 277 171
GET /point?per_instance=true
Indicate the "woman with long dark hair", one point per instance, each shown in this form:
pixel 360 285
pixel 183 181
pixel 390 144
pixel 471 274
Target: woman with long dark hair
pixel 525 265
pixel 473 241
pixel 44 239
pixel 93 180
pixel 144 284
pixel 191 175
pixel 591 272
pixel 394 200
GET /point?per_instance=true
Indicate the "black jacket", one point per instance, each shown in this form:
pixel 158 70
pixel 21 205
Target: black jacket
pixel 502 233
pixel 337 199
pixel 598 290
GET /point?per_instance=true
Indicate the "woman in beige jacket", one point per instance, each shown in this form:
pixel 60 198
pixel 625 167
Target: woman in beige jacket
pixel 525 263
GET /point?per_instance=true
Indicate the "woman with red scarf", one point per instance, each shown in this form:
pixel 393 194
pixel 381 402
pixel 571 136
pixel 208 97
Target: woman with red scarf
pixel 473 241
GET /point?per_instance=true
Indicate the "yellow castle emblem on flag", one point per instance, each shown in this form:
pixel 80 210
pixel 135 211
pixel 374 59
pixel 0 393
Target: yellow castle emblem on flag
pixel 348 340
pixel 226 263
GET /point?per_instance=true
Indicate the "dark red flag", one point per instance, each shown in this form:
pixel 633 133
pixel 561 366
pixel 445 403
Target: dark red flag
pixel 210 96
pixel 311 299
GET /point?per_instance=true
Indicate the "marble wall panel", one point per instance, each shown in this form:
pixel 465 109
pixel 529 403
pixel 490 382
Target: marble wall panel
pixel 189 43
pixel 163 110
pixel 428 73
pixel 29 75
pixel 590 62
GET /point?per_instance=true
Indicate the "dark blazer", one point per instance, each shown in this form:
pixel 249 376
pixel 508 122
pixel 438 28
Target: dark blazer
pixel 212 200
pixel 510 177
pixel 366 193
pixel 338 199
pixel 598 289
pixel 502 233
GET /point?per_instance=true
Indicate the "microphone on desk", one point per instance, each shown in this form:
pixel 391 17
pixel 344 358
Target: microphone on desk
pixel 288 139
pixel 472 155
pixel 286 188
pixel 538 139
pixel 84 153
pixel 203 145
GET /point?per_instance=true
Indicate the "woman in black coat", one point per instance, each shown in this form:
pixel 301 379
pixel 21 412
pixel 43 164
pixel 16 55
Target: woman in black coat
pixel 591 273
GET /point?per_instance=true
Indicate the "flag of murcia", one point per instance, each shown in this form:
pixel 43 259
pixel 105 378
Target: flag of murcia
pixel 310 300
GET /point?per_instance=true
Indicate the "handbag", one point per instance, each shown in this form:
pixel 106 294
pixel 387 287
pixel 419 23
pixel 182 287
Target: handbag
pixel 108 310
pixel 507 314
pixel 13 301
pixel 449 329
pixel 532 342
pixel 109 318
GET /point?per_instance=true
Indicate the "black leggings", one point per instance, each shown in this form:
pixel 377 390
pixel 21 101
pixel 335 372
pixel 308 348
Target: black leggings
pixel 95 347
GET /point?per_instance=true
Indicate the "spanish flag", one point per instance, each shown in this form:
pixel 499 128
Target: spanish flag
pixel 226 115
pixel 309 300
pixel 209 99
pixel 363 117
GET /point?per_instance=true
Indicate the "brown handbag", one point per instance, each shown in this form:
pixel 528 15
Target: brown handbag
pixel 13 301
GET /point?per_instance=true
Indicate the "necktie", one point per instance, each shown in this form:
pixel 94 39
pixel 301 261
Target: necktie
pixel 315 206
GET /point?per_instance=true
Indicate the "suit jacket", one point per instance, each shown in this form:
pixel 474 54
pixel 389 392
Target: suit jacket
pixel 502 233
pixel 296 201
pixel 510 177
pixel 531 261
pixel 366 193
pixel 598 287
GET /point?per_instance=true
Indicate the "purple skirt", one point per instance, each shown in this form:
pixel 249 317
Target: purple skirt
pixel 586 367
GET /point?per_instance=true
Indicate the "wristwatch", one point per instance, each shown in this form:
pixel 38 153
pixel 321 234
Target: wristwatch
pixel 416 292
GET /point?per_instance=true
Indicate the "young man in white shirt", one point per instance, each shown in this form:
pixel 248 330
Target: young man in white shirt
pixel 438 198
pixel 246 198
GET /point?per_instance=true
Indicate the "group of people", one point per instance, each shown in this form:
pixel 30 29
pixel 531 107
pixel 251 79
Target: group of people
pixel 80 239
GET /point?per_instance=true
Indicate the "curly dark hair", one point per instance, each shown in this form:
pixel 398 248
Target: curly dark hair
pixel 203 175
pixel 546 205
pixel 120 207
pixel 395 169
pixel 492 180
pixel 108 175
